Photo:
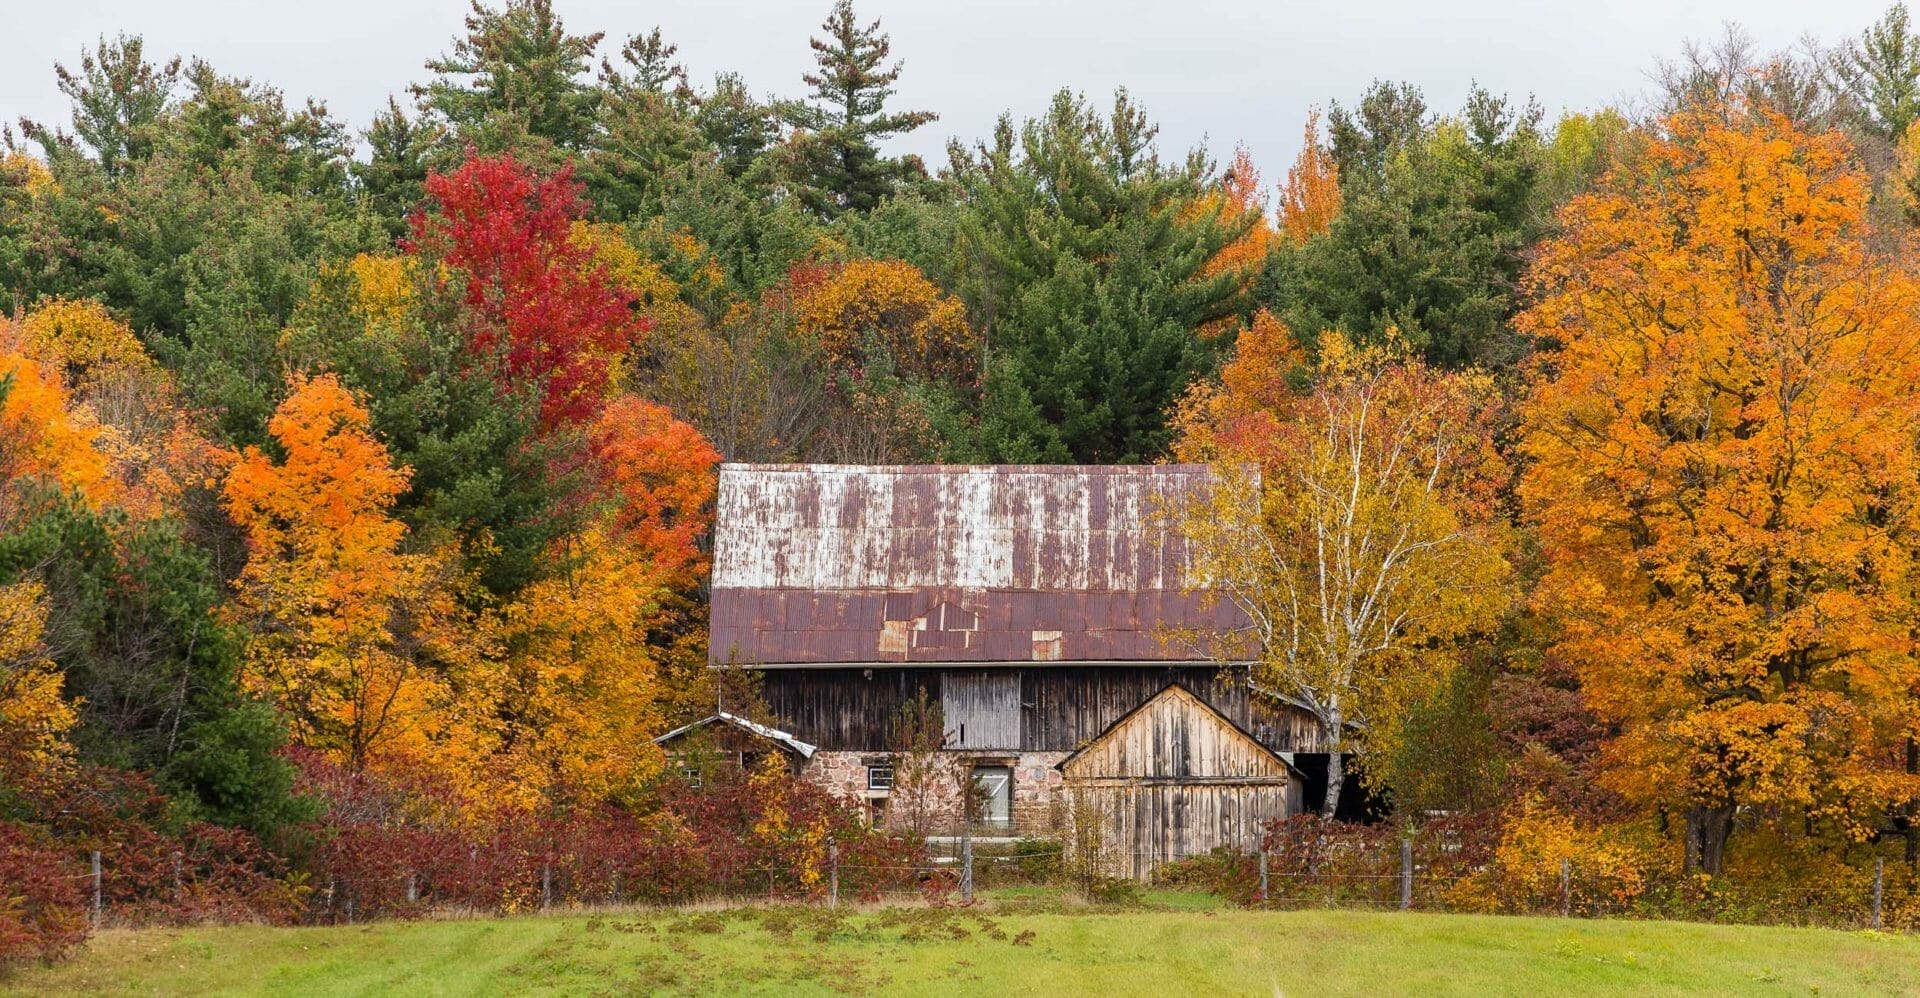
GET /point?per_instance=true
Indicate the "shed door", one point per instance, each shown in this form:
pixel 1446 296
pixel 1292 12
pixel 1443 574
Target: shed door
pixel 982 709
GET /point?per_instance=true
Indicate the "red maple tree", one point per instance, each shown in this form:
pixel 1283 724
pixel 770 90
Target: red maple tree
pixel 545 312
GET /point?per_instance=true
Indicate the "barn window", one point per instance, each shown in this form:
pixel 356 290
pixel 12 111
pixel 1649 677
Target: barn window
pixel 879 777
pixel 994 784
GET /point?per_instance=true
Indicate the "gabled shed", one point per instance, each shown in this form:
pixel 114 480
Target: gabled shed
pixel 1175 778
pixel 735 740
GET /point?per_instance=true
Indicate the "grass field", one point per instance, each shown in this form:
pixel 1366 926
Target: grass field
pixel 1177 947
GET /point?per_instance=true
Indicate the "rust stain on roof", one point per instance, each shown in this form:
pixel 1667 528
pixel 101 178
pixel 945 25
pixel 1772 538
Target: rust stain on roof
pixel 831 563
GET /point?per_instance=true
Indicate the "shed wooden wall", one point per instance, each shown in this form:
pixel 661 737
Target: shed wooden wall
pixel 1174 780
pixel 1146 826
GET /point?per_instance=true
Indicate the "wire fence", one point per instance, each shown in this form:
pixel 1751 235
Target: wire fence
pixel 956 871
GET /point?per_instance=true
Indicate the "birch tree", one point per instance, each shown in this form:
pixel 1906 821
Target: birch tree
pixel 1349 522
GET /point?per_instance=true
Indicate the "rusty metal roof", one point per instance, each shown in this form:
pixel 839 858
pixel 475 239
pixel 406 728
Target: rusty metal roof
pixel 838 564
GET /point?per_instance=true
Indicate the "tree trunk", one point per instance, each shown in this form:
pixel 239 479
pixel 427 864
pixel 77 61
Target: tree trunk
pixel 1909 818
pixel 1336 771
pixel 1708 829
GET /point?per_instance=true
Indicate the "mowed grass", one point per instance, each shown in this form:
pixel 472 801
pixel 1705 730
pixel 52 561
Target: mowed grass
pixel 1177 947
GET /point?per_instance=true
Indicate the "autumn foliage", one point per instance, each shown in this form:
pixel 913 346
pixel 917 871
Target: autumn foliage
pixel 1310 197
pixel 544 311
pixel 354 639
pixel 1721 472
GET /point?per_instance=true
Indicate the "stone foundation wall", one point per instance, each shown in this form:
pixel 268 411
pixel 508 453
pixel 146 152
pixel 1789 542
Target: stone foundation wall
pixel 1037 802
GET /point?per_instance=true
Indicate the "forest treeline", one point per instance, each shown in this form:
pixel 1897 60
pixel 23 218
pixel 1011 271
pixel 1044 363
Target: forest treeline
pixel 361 480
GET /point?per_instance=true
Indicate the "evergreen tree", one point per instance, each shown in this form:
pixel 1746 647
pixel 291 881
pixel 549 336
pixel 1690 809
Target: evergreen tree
pixel 837 164
pixel 393 177
pixel 1878 75
pixel 646 128
pixel 735 126
pixel 516 76
pixel 1089 271
pixel 1434 220
pixel 205 244
pixel 117 98
pixel 132 627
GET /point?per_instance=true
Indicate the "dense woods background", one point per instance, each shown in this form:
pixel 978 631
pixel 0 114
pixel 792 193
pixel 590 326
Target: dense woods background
pixel 355 486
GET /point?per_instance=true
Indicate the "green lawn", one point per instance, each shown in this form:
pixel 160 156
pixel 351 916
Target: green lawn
pixel 1011 948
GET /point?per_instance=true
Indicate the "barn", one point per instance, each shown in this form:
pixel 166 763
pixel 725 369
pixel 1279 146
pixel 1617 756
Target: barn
pixel 1042 607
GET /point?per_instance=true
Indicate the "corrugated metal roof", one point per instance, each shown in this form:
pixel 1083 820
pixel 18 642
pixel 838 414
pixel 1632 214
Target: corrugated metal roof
pixel 804 749
pixel 820 564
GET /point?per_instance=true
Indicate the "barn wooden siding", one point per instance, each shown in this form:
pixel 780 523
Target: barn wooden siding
pixel 1174 779
pixel 1057 708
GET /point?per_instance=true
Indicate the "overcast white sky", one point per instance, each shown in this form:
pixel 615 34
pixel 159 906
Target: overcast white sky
pixel 1206 70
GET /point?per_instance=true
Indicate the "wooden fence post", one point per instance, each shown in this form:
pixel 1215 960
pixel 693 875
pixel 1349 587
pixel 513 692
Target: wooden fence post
pixel 1406 874
pixel 98 907
pixel 833 874
pixel 966 862
pixel 1566 886
pixel 546 886
pixel 413 887
pixel 1263 874
pixel 1879 883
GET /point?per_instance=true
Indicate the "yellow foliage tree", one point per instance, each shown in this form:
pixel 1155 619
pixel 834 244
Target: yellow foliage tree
pixel 385 285
pixel 580 693
pixel 1721 468
pixel 891 305
pixel 82 341
pixel 1353 528
pixel 364 647
pixel 155 453
pixel 34 716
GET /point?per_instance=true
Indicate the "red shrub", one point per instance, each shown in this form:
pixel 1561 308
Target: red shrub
pixel 393 844
pixel 43 903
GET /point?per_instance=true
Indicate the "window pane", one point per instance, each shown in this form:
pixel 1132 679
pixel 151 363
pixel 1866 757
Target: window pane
pixel 996 792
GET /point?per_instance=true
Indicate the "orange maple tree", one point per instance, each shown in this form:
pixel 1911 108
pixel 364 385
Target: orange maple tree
pixel 658 474
pixel 1310 197
pixel 1721 468
pixel 43 440
pixel 362 646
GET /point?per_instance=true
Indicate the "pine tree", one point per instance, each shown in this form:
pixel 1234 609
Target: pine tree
pixel 1089 263
pixel 1879 75
pixel 838 166
pixel 393 178
pixel 516 75
pixel 117 98
pixel 646 128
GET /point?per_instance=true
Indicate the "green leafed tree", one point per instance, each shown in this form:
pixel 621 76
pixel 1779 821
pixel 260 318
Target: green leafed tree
pixel 1087 264
pixel 517 77
pixel 647 129
pixel 835 156
pixel 392 178
pixel 1878 75
pixel 131 626
pixel 118 97
pixel 1435 219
